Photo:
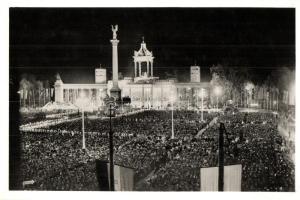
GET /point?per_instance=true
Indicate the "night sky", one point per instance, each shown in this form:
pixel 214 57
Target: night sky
pixel 75 41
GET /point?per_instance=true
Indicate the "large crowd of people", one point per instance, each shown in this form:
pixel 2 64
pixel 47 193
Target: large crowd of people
pixel 252 141
pixel 142 141
pixel 29 118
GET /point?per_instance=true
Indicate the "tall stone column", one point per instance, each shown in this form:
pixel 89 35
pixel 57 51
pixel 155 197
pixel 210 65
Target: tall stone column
pixel 115 90
pixel 140 69
pixel 68 95
pixel 143 96
pixel 74 96
pixel 161 96
pixel 59 89
pixel 135 69
pixel 152 95
pixel 148 72
pixel 151 68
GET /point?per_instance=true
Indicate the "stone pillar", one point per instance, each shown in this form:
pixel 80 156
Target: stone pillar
pixel 90 94
pixel 151 68
pixel 177 94
pixel 59 91
pixel 161 97
pixel 140 69
pixel 115 62
pixel 152 95
pixel 135 69
pixel 143 98
pixel 68 95
pixel 115 90
pixel 148 73
pixel 74 96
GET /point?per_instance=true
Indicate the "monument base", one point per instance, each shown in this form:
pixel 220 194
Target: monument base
pixel 115 93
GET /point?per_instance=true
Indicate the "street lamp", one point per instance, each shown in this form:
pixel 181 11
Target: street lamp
pixel 111 149
pixel 249 87
pixel 217 91
pixel 202 104
pixel 82 102
pixel 20 92
pixel 172 99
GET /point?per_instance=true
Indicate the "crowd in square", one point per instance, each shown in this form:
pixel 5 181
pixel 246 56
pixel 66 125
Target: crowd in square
pixel 56 161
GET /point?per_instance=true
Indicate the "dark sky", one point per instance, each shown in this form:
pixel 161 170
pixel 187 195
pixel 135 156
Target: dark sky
pixel 74 41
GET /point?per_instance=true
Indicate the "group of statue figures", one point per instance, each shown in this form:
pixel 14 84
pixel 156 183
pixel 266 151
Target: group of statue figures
pixel 114 30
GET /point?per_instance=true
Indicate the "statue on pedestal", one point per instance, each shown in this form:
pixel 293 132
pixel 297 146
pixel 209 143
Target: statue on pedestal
pixel 114 30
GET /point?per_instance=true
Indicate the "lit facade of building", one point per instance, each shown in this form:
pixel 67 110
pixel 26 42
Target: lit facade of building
pixel 195 74
pixel 145 90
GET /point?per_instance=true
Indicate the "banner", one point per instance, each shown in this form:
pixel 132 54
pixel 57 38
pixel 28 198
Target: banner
pixel 232 178
pixel 102 175
pixel 123 177
pixel 209 178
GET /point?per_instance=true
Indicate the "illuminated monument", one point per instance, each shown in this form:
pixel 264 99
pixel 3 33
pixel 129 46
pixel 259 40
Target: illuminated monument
pixel 143 64
pixel 115 91
pixel 145 90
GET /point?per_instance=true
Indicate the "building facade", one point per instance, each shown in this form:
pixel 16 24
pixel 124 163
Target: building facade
pixel 144 89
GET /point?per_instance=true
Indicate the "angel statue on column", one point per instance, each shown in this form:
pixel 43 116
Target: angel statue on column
pixel 114 30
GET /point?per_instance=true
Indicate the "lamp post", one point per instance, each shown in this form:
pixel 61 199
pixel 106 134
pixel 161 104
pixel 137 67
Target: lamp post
pixel 218 92
pixel 82 102
pixel 221 157
pixel 202 104
pixel 172 104
pixel 173 121
pixel 277 100
pixel 19 92
pixel 83 133
pixel 197 101
pixel 249 87
pixel 111 151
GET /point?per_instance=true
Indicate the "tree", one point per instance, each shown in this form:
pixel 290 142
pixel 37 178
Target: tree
pixel 232 80
pixel 219 81
pixel 40 88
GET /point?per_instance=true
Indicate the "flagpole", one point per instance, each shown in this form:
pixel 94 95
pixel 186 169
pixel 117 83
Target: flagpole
pixel 221 158
pixel 44 96
pixel 111 152
pixel 202 104
pixel 24 100
pixel 173 136
pixel 83 133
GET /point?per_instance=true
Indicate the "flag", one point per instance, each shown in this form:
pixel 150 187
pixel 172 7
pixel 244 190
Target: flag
pixel 232 178
pixel 123 177
pixel 102 175
pixel 209 178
